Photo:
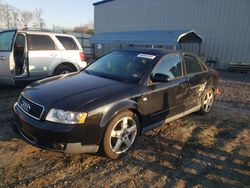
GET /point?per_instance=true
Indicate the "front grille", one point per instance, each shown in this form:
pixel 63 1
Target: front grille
pixel 32 109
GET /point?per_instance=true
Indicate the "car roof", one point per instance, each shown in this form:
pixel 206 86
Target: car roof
pixel 151 51
pixel 43 32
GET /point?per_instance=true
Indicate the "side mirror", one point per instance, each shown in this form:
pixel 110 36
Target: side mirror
pixel 158 77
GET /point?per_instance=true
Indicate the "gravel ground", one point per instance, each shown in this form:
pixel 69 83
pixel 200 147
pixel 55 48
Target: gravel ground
pixel 195 151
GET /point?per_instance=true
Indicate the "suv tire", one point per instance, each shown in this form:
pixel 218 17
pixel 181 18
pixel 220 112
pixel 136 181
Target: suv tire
pixel 64 69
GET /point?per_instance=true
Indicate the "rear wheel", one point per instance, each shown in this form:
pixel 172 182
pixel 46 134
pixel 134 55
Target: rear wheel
pixel 207 101
pixel 64 69
pixel 120 134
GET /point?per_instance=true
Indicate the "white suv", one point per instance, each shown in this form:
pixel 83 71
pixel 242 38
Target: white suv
pixel 32 55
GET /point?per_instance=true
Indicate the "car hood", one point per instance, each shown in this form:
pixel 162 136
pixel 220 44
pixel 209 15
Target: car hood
pixel 70 91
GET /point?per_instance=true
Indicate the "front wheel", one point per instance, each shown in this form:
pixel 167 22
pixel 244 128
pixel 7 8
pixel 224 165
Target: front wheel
pixel 120 134
pixel 207 101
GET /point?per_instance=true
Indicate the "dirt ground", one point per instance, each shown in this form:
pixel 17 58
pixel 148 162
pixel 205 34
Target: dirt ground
pixel 195 151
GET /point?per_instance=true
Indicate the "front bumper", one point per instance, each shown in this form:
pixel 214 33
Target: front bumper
pixel 57 137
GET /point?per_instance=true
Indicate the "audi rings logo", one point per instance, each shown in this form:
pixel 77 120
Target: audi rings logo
pixel 25 106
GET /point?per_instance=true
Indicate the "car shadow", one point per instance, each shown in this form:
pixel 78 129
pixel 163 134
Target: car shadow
pixel 179 161
pixel 8 96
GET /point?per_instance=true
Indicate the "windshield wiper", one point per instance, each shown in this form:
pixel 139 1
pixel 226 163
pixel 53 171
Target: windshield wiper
pixel 97 74
pixel 109 77
pixel 87 72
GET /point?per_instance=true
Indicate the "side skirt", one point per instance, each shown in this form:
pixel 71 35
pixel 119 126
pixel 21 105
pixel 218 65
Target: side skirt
pixel 170 119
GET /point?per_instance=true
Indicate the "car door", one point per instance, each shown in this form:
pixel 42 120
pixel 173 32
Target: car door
pixel 165 99
pixel 7 65
pixel 43 54
pixel 196 75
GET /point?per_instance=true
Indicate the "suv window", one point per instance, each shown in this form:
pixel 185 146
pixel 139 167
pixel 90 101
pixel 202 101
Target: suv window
pixel 6 40
pixel 192 64
pixel 170 66
pixel 67 42
pixel 40 42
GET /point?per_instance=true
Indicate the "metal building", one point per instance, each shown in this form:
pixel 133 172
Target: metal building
pixel 223 24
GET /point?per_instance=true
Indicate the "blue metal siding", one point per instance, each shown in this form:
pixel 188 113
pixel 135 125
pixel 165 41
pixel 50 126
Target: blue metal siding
pixel 223 24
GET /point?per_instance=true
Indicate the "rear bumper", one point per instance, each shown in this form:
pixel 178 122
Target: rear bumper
pixel 56 137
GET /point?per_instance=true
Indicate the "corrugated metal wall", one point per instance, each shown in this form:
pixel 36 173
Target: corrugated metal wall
pixel 224 24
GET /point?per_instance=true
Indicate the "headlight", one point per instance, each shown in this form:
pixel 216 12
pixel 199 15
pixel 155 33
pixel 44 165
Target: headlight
pixel 66 117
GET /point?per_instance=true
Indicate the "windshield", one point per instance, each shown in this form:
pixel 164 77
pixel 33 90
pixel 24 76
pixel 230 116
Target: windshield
pixel 122 65
pixel 6 40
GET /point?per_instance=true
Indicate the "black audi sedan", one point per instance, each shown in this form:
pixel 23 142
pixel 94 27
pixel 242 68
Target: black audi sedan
pixel 118 97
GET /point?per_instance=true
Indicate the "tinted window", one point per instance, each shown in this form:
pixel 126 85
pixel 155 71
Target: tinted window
pixel 122 65
pixel 6 40
pixel 192 64
pixel 40 42
pixel 170 66
pixel 68 43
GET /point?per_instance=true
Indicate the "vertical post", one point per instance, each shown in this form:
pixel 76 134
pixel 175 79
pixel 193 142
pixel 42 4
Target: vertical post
pixel 82 42
pixel 199 50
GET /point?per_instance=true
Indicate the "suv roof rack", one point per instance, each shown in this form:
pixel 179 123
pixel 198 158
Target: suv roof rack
pixel 42 30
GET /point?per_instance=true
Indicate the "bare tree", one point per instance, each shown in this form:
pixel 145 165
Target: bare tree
pixel 1 15
pixel 11 17
pixel 86 28
pixel 39 21
pixel 6 15
pixel 26 18
pixel 15 17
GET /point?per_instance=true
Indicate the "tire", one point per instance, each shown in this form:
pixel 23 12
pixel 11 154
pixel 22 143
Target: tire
pixel 64 69
pixel 207 101
pixel 120 134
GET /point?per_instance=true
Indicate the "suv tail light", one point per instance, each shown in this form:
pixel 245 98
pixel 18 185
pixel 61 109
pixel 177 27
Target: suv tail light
pixel 82 56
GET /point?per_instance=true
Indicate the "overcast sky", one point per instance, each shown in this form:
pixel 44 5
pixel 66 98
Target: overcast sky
pixel 66 13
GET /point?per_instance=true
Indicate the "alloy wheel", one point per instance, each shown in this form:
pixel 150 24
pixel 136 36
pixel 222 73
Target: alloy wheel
pixel 208 101
pixel 123 135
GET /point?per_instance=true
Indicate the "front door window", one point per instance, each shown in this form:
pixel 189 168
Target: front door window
pixel 6 41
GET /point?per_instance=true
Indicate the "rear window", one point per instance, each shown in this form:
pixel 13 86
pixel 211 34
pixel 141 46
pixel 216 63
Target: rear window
pixel 203 65
pixel 67 42
pixel 40 42
pixel 192 64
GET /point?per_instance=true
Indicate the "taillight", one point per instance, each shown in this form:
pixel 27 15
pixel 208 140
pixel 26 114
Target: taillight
pixel 82 56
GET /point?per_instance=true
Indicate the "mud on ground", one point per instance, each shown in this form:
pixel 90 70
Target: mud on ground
pixel 195 151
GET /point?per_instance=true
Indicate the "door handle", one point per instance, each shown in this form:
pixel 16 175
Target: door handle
pixel 3 58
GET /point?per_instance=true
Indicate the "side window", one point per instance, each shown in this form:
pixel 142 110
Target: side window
pixel 40 42
pixel 68 43
pixel 170 66
pixel 6 40
pixel 203 64
pixel 192 64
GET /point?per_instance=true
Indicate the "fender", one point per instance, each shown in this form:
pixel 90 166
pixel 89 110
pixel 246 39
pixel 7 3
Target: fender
pixel 54 66
pixel 116 108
